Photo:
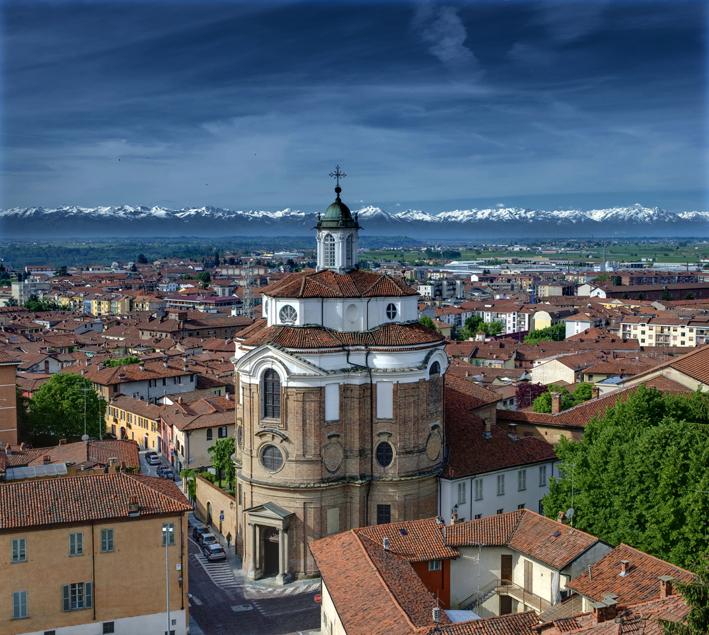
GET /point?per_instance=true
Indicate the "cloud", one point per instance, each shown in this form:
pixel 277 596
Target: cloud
pixel 443 31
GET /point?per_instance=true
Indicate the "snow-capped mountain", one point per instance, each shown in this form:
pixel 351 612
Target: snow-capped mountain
pixel 511 222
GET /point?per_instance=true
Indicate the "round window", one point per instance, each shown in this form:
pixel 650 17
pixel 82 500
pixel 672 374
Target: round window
pixel 288 314
pixel 271 458
pixel 391 310
pixel 384 454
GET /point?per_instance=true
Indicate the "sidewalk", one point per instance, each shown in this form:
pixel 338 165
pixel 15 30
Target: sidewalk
pixel 265 586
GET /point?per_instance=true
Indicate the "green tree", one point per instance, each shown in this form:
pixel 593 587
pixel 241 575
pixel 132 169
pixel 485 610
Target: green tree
pixel 57 410
pixel 427 322
pixel 543 402
pixel 221 453
pixel 492 328
pixel 36 304
pixel 696 595
pixel 471 327
pixel 582 392
pixel 122 361
pixel 555 332
pixel 190 477
pixel 639 475
pixel 204 278
pixel 142 260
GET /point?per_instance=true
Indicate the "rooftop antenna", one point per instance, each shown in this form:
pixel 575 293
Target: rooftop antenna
pixel 247 299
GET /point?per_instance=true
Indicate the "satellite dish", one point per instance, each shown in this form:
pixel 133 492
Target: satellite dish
pixel 570 512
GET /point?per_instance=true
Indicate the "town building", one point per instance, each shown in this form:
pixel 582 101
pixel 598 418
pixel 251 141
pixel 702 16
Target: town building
pixel 93 553
pixel 8 398
pixel 340 411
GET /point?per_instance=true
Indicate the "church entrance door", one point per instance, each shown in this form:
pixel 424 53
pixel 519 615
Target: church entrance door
pixel 270 551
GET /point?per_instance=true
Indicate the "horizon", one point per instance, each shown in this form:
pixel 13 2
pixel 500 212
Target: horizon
pixel 540 105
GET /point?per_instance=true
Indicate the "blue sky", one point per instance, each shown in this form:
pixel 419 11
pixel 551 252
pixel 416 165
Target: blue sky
pixel 426 104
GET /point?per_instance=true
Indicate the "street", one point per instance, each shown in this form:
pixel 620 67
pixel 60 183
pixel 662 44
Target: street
pixel 222 603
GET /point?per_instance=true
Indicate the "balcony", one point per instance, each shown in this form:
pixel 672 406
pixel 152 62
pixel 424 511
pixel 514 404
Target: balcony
pixel 505 587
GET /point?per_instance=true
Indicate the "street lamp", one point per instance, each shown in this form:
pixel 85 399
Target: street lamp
pixel 167 535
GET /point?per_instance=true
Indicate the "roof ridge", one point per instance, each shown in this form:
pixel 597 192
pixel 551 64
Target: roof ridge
pixel 649 555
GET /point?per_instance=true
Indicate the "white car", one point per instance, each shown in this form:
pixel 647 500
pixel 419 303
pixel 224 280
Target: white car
pixel 152 458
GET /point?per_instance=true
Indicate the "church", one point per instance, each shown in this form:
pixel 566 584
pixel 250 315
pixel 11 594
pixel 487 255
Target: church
pixel 340 406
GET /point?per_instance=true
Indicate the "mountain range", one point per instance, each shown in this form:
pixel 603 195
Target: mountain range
pixel 466 224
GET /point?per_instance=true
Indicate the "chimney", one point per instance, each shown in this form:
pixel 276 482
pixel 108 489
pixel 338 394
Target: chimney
pixel 555 403
pixel 46 459
pixel 624 568
pixel 385 543
pixel 454 515
pixel 22 446
pixel 605 610
pixel 560 517
pixel 595 392
pixel 133 506
pixel 513 431
pixel 487 434
pixel 665 586
pixel 62 441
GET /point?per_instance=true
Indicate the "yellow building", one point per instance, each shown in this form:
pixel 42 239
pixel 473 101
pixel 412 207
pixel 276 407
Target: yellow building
pixel 93 560
pixel 134 419
pixel 111 305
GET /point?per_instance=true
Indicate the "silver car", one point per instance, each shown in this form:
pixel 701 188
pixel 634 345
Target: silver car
pixel 213 552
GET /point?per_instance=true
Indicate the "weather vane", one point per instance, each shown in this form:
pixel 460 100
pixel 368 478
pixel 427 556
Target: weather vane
pixel 337 175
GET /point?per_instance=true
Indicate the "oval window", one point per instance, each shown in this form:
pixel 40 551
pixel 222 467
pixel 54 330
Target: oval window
pixel 391 310
pixel 288 314
pixel 384 454
pixel 271 458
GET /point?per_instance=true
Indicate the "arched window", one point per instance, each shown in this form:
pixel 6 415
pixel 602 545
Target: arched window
pixel 348 251
pixel 288 314
pixel 271 390
pixel 328 251
pixel 435 369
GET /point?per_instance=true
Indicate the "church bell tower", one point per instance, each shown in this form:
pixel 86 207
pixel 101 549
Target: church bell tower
pixel 337 234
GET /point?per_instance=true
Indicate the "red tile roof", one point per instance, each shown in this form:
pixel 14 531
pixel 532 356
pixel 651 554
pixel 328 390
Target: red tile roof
pixel 74 499
pixel 328 284
pixel 470 451
pixel 514 624
pixel 640 584
pixel 536 536
pixel 374 592
pixel 92 453
pixel 392 334
pixel 414 540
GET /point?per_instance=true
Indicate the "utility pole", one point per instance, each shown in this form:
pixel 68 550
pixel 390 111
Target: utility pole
pixel 167 532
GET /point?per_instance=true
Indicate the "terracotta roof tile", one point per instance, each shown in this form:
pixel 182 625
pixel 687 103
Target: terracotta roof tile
pixel 328 284
pixel 74 499
pixel 392 334
pixel 640 584
pixel 470 451
pixel 414 540
pixel 536 536
pixel 514 624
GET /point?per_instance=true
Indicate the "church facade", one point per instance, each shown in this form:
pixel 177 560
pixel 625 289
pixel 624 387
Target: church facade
pixel 340 407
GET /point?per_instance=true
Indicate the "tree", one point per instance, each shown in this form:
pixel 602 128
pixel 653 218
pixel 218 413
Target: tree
pixel 492 328
pixel 583 392
pixel 427 322
pixel 36 304
pixel 57 410
pixel 204 278
pixel 696 595
pixel 639 475
pixel 190 477
pixel 142 260
pixel 221 453
pixel 122 361
pixel 61 271
pixel 471 326
pixel 555 332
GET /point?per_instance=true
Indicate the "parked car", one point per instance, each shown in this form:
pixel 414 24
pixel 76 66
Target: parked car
pixel 214 552
pixel 165 471
pixel 208 539
pixel 198 532
pixel 152 458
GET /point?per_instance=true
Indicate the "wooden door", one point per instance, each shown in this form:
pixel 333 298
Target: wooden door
pixel 506 567
pixel 505 605
pixel 528 576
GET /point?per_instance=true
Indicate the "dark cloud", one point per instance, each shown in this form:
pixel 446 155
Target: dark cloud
pixel 115 102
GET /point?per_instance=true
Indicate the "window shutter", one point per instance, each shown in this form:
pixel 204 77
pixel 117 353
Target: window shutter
pixel 65 593
pixel 89 595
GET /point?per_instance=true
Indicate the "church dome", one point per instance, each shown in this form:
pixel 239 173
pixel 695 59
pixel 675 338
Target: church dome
pixel 337 215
